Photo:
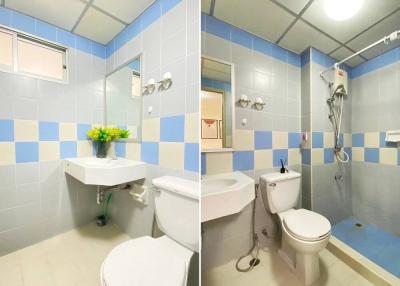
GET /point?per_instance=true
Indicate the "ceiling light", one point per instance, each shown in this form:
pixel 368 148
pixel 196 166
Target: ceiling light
pixel 340 10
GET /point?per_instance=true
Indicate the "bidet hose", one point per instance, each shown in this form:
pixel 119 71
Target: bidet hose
pixel 256 242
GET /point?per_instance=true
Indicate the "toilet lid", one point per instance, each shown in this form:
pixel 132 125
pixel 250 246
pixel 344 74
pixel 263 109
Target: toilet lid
pixel 307 225
pixel 143 262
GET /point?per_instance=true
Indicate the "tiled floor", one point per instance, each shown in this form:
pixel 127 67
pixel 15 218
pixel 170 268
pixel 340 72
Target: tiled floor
pixel 377 245
pixel 71 259
pixel 272 272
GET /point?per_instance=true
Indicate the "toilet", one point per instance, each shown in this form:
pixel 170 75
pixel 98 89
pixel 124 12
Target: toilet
pixel 163 261
pixel 304 233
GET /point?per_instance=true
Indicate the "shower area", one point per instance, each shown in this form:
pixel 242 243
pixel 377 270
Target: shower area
pixel 351 160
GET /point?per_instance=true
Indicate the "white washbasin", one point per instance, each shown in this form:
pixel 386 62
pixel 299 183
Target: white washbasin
pixel 225 194
pixel 105 171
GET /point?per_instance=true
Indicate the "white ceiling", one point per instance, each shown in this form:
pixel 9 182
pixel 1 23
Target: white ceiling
pixel 298 24
pixel 98 20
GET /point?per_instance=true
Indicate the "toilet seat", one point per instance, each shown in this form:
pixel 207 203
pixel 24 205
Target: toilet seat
pixel 307 225
pixel 143 261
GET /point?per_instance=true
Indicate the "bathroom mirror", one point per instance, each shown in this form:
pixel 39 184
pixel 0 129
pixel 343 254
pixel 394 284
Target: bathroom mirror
pixel 217 105
pixel 124 99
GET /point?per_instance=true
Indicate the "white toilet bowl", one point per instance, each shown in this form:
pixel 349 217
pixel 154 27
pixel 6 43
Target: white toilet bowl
pixel 304 235
pixel 146 261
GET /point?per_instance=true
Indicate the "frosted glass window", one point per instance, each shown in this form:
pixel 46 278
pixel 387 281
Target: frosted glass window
pixel 6 50
pixel 41 60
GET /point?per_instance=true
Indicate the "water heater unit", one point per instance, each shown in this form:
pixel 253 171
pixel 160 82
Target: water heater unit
pixel 340 77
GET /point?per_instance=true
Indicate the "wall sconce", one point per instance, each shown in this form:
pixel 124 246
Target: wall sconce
pixel 150 87
pixel 244 100
pixel 166 81
pixel 259 104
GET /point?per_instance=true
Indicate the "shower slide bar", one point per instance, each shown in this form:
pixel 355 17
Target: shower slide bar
pixel 386 40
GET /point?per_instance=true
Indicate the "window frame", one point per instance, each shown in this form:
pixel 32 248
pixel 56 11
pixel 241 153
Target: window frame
pixel 19 36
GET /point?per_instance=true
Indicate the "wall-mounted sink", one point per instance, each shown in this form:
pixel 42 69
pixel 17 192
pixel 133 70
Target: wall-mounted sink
pixel 225 194
pixel 105 172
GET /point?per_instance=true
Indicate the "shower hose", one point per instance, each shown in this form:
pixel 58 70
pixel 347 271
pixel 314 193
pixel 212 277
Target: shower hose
pixel 256 243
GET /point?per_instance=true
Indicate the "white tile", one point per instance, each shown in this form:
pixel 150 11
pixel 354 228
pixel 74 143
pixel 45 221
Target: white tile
pixel 192 123
pixel 294 156
pixel 244 140
pixel 7 153
pixel 49 150
pixel 329 139
pixel 26 130
pixel 358 154
pixel 388 156
pixel 262 18
pixel 172 155
pixel 133 151
pixel 219 163
pixel 49 11
pixel 347 139
pixel 279 140
pixel 85 148
pixel 371 139
pixel 122 9
pixel 317 156
pixel 151 129
pixel 67 131
pixel 98 26
pixel 263 159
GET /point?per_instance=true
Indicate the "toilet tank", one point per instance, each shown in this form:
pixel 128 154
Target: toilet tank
pixel 177 209
pixel 280 192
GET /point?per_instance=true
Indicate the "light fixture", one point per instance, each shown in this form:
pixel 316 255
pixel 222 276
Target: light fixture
pixel 341 10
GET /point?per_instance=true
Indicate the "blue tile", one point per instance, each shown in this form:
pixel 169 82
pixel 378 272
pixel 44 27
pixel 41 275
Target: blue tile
pixel 371 155
pixel 5 16
pixel 294 140
pixel 376 244
pixel 242 38
pixel 83 44
pixel 203 164
pixel 98 50
pixel 318 140
pixel 192 157
pixel 305 57
pixel 46 31
pixel 341 139
pixel 65 38
pixel 22 22
pixel 167 5
pixel 135 65
pixel 328 156
pixel 83 130
pixel 262 46
pixel 278 155
pixel 358 139
pixel 149 152
pixel 321 58
pixel 243 160
pixel 279 53
pixel 293 59
pixel 110 48
pixel 306 156
pixel 120 149
pixel 26 152
pixel 206 82
pixel 48 131
pixel 217 28
pixel 203 22
pixel 131 31
pixel 6 130
pixel 172 129
pixel 262 140
pixel 68 149
pixel 383 143
pixel 151 14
